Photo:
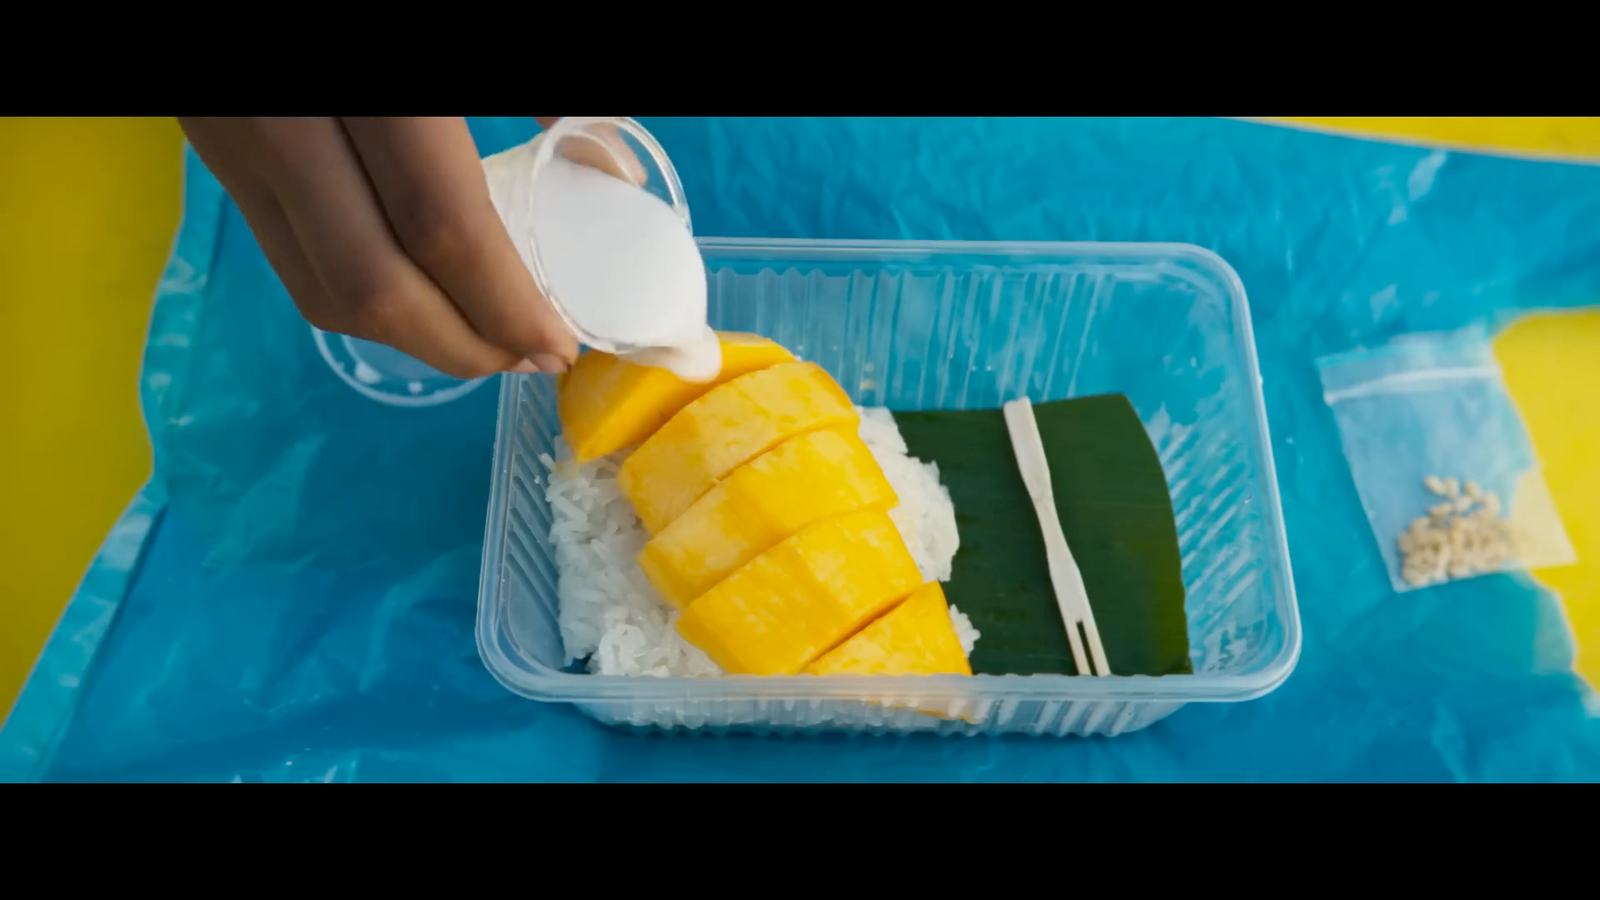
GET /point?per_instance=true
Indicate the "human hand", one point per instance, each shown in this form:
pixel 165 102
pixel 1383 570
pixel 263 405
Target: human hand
pixel 383 229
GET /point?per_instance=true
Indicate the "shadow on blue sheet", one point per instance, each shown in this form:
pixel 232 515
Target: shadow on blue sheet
pixel 292 597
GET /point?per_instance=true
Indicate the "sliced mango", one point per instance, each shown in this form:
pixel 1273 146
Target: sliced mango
pixel 801 481
pixel 915 638
pixel 724 429
pixel 804 596
pixel 606 404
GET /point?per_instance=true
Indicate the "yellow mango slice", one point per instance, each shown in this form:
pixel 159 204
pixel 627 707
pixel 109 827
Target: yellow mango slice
pixel 801 481
pixel 606 404
pixel 724 429
pixel 804 596
pixel 914 638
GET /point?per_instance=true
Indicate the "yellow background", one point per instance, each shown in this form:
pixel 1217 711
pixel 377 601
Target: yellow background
pixel 88 209
pixel 1558 135
pixel 1544 357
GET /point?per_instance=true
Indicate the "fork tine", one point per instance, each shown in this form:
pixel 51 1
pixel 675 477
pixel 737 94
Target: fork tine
pixel 1096 649
pixel 1078 658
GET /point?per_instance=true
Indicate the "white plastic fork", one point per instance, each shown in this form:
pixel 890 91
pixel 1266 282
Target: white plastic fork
pixel 1071 596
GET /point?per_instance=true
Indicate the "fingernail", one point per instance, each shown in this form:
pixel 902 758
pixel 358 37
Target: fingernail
pixel 526 367
pixel 549 363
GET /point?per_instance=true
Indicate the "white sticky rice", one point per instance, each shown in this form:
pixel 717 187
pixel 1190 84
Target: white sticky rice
pixel 613 618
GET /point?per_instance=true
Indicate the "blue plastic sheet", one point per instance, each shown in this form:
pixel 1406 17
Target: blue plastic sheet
pixel 292 597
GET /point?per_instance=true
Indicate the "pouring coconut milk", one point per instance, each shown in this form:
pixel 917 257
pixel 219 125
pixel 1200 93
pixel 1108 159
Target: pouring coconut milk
pixel 618 263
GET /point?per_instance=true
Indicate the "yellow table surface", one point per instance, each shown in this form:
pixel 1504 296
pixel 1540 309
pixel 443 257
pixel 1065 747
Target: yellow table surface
pixel 84 235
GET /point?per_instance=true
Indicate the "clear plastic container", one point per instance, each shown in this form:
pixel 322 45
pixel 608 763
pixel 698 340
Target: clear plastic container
pixel 946 325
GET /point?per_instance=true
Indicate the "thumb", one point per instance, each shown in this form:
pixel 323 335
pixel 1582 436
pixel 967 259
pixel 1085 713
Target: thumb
pixel 599 145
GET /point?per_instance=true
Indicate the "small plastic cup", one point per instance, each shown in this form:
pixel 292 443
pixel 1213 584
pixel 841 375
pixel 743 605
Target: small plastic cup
pixel 385 374
pixel 622 148
pixel 616 145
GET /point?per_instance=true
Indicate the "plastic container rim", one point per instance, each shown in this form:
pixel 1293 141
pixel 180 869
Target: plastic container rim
pixel 566 687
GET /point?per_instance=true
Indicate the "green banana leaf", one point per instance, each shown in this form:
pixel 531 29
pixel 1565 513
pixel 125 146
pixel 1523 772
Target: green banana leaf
pixel 1111 496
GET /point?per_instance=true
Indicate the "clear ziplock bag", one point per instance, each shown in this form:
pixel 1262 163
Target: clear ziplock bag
pixel 1442 460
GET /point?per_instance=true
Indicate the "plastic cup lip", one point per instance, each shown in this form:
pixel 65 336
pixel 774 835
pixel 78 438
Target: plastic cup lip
pixel 575 127
pixel 386 387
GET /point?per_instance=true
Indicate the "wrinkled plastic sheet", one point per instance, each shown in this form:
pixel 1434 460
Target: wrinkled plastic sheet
pixel 292 597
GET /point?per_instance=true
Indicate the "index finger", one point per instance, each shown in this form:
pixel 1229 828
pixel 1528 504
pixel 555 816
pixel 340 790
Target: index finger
pixel 430 181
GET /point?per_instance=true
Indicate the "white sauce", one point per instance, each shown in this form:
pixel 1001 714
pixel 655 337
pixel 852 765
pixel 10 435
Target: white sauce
pixel 699 361
pixel 617 259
